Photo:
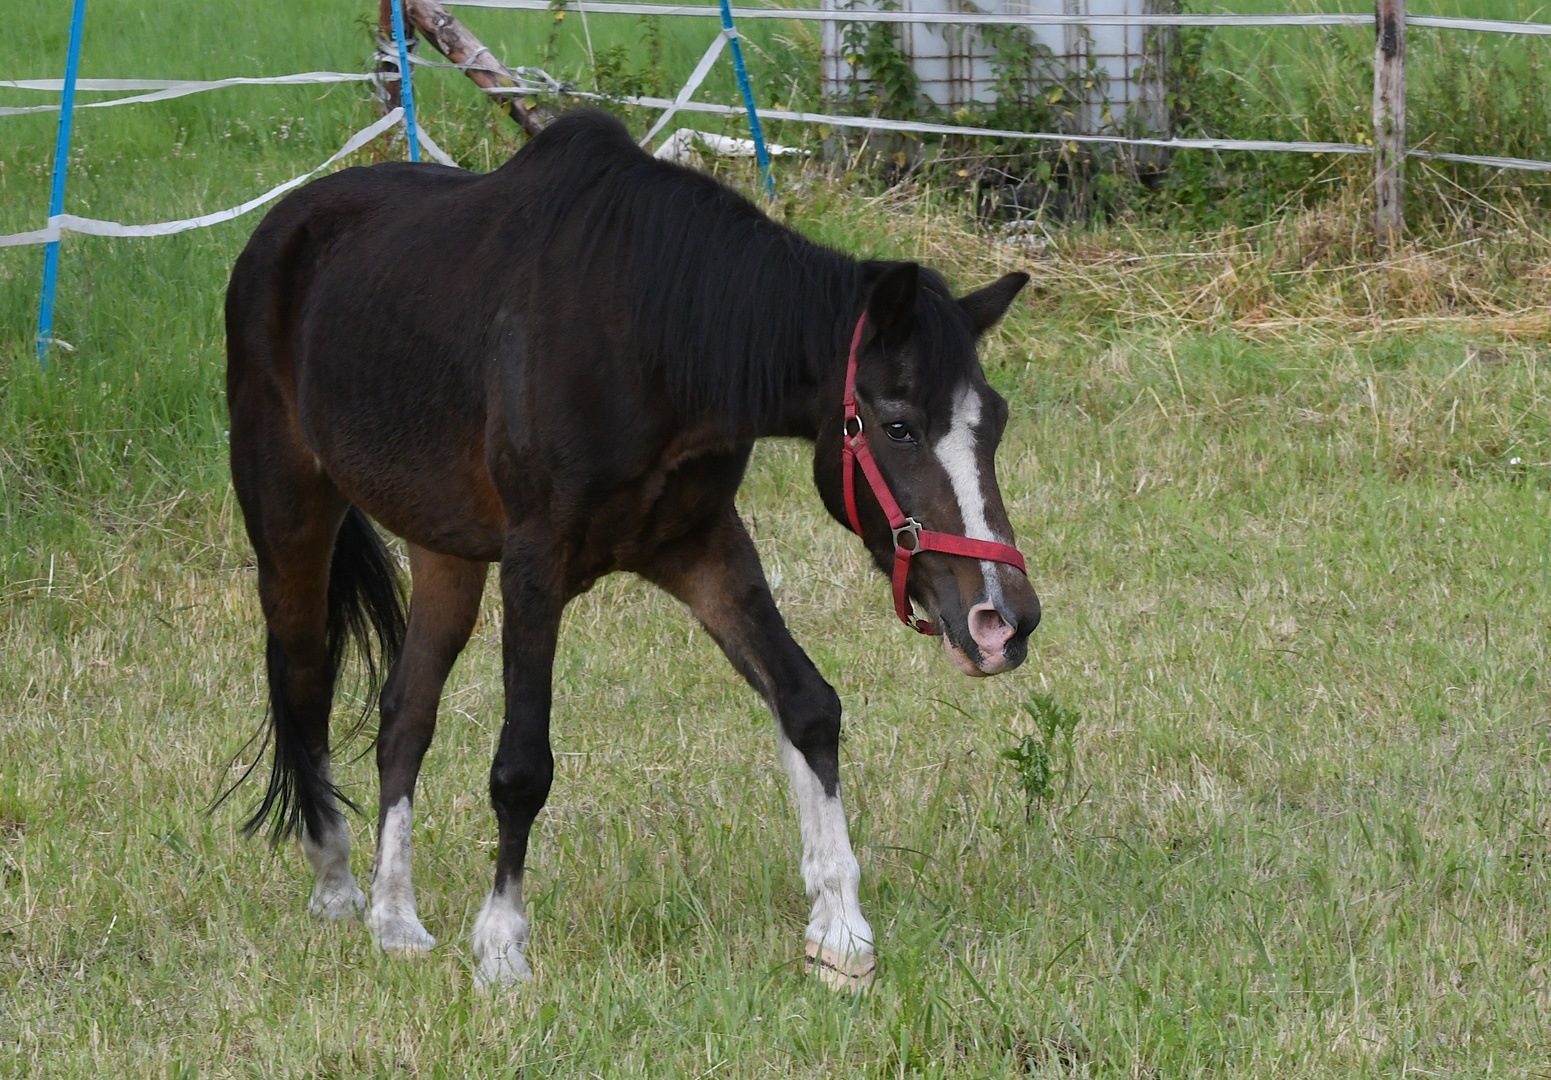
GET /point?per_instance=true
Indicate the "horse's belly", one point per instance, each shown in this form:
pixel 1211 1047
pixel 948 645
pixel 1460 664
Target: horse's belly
pixel 414 461
pixel 444 505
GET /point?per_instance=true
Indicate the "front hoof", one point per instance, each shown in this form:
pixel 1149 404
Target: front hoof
pixel 402 937
pixel 500 938
pixel 336 903
pixel 854 972
pixel 501 968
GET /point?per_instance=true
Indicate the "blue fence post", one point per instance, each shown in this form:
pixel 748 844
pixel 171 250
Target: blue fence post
pixel 748 99
pixel 406 91
pixel 56 200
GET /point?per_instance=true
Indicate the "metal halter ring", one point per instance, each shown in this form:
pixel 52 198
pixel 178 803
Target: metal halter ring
pixel 845 427
pixel 911 528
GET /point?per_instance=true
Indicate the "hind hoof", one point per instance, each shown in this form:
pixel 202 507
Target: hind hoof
pixel 336 903
pixel 853 973
pixel 403 937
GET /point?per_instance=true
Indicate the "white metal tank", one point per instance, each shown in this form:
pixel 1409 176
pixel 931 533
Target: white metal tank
pixel 954 66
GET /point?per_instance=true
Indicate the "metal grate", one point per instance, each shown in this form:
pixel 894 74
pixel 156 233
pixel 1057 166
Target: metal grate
pixel 953 63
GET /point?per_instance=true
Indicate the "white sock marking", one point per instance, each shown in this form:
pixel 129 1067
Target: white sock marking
pixel 830 871
pixel 335 895
pixel 956 451
pixel 500 938
pixel 394 921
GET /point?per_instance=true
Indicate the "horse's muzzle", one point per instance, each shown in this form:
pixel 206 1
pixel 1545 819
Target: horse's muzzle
pixel 1000 636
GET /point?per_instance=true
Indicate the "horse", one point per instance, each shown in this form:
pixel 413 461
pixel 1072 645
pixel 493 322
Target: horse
pixel 561 367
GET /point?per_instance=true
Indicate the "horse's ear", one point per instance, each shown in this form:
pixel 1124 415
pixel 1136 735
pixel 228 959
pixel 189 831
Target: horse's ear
pixel 984 307
pixel 891 306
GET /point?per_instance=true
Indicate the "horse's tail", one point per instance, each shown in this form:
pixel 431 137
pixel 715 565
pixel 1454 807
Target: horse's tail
pixel 365 601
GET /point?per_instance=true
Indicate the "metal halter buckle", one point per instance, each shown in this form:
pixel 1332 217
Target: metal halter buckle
pixel 912 528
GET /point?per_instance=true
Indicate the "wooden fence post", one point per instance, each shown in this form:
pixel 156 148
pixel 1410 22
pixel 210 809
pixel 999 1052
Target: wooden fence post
pixel 449 37
pixel 1389 119
pixel 390 87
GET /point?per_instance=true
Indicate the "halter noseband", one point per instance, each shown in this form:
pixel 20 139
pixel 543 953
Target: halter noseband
pixel 854 450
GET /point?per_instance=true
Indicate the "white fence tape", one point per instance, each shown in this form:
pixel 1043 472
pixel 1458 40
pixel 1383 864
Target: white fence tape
pixel 696 77
pixel 529 79
pixel 1487 26
pixel 979 18
pixel 438 155
pixel 1475 159
pixel 166 89
pixel 56 85
pixel 95 227
pixel 880 124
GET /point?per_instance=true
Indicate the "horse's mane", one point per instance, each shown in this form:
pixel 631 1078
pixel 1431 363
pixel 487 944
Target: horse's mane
pixel 736 308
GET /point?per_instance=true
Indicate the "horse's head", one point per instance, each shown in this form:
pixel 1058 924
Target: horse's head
pixel 932 424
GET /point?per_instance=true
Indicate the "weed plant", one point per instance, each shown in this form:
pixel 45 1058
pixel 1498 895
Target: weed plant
pixel 1033 757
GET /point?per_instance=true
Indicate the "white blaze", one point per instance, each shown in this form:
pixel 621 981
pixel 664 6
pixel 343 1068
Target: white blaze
pixel 956 452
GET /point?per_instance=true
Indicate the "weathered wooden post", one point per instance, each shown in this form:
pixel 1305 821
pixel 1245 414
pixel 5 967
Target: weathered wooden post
pixel 449 37
pixel 390 87
pixel 1389 119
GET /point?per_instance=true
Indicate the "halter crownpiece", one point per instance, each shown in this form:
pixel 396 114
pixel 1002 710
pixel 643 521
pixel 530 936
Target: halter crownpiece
pixel 853 451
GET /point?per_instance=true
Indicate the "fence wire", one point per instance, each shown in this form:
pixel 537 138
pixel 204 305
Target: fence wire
pixel 537 81
pixel 984 18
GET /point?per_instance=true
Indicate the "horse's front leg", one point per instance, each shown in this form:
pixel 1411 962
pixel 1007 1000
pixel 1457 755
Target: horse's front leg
pixel 524 766
pixel 718 575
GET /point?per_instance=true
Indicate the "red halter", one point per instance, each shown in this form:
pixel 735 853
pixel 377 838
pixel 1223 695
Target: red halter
pixel 853 450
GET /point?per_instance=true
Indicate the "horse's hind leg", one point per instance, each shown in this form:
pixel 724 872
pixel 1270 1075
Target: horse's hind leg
pixel 294 530
pixel 323 577
pixel 442 611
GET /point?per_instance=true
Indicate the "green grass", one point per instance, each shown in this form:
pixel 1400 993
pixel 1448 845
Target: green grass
pixel 1296 586
pixel 1467 93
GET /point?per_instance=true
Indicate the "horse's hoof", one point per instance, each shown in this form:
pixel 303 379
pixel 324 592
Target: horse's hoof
pixel 336 903
pixel 502 969
pixel 854 973
pixel 403 937
pixel 500 939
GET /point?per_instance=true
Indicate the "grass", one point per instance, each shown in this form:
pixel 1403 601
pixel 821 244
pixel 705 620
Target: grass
pixel 1467 93
pixel 1286 504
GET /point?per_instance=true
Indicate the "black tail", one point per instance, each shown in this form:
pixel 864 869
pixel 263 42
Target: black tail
pixel 365 600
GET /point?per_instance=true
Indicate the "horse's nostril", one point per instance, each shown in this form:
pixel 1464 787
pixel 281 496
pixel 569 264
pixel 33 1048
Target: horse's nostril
pixel 986 625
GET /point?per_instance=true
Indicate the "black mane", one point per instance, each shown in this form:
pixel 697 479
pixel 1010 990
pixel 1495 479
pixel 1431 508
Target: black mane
pixel 736 309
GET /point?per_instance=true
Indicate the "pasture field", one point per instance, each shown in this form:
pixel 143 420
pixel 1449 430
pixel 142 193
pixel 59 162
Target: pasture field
pixel 1288 507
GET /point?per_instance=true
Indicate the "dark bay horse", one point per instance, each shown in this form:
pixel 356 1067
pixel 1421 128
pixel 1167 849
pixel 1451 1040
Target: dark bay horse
pixel 562 366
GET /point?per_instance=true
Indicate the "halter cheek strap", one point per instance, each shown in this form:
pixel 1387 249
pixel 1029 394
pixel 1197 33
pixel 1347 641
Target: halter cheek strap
pixel 855 451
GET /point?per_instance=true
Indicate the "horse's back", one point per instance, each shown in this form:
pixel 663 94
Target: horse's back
pixel 299 239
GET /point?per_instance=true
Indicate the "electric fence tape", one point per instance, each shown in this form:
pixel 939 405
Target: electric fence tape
pixel 62 223
pixel 538 82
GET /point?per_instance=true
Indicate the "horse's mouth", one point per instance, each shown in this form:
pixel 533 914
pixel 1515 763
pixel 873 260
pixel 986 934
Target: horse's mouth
pixel 1004 660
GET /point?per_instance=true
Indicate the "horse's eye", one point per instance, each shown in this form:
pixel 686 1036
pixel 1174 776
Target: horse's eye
pixel 899 431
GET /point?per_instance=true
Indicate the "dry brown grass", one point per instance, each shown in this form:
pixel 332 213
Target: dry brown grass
pixel 1474 268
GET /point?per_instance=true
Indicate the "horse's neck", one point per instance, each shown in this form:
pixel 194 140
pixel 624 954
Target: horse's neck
pixel 806 404
pixel 800 415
